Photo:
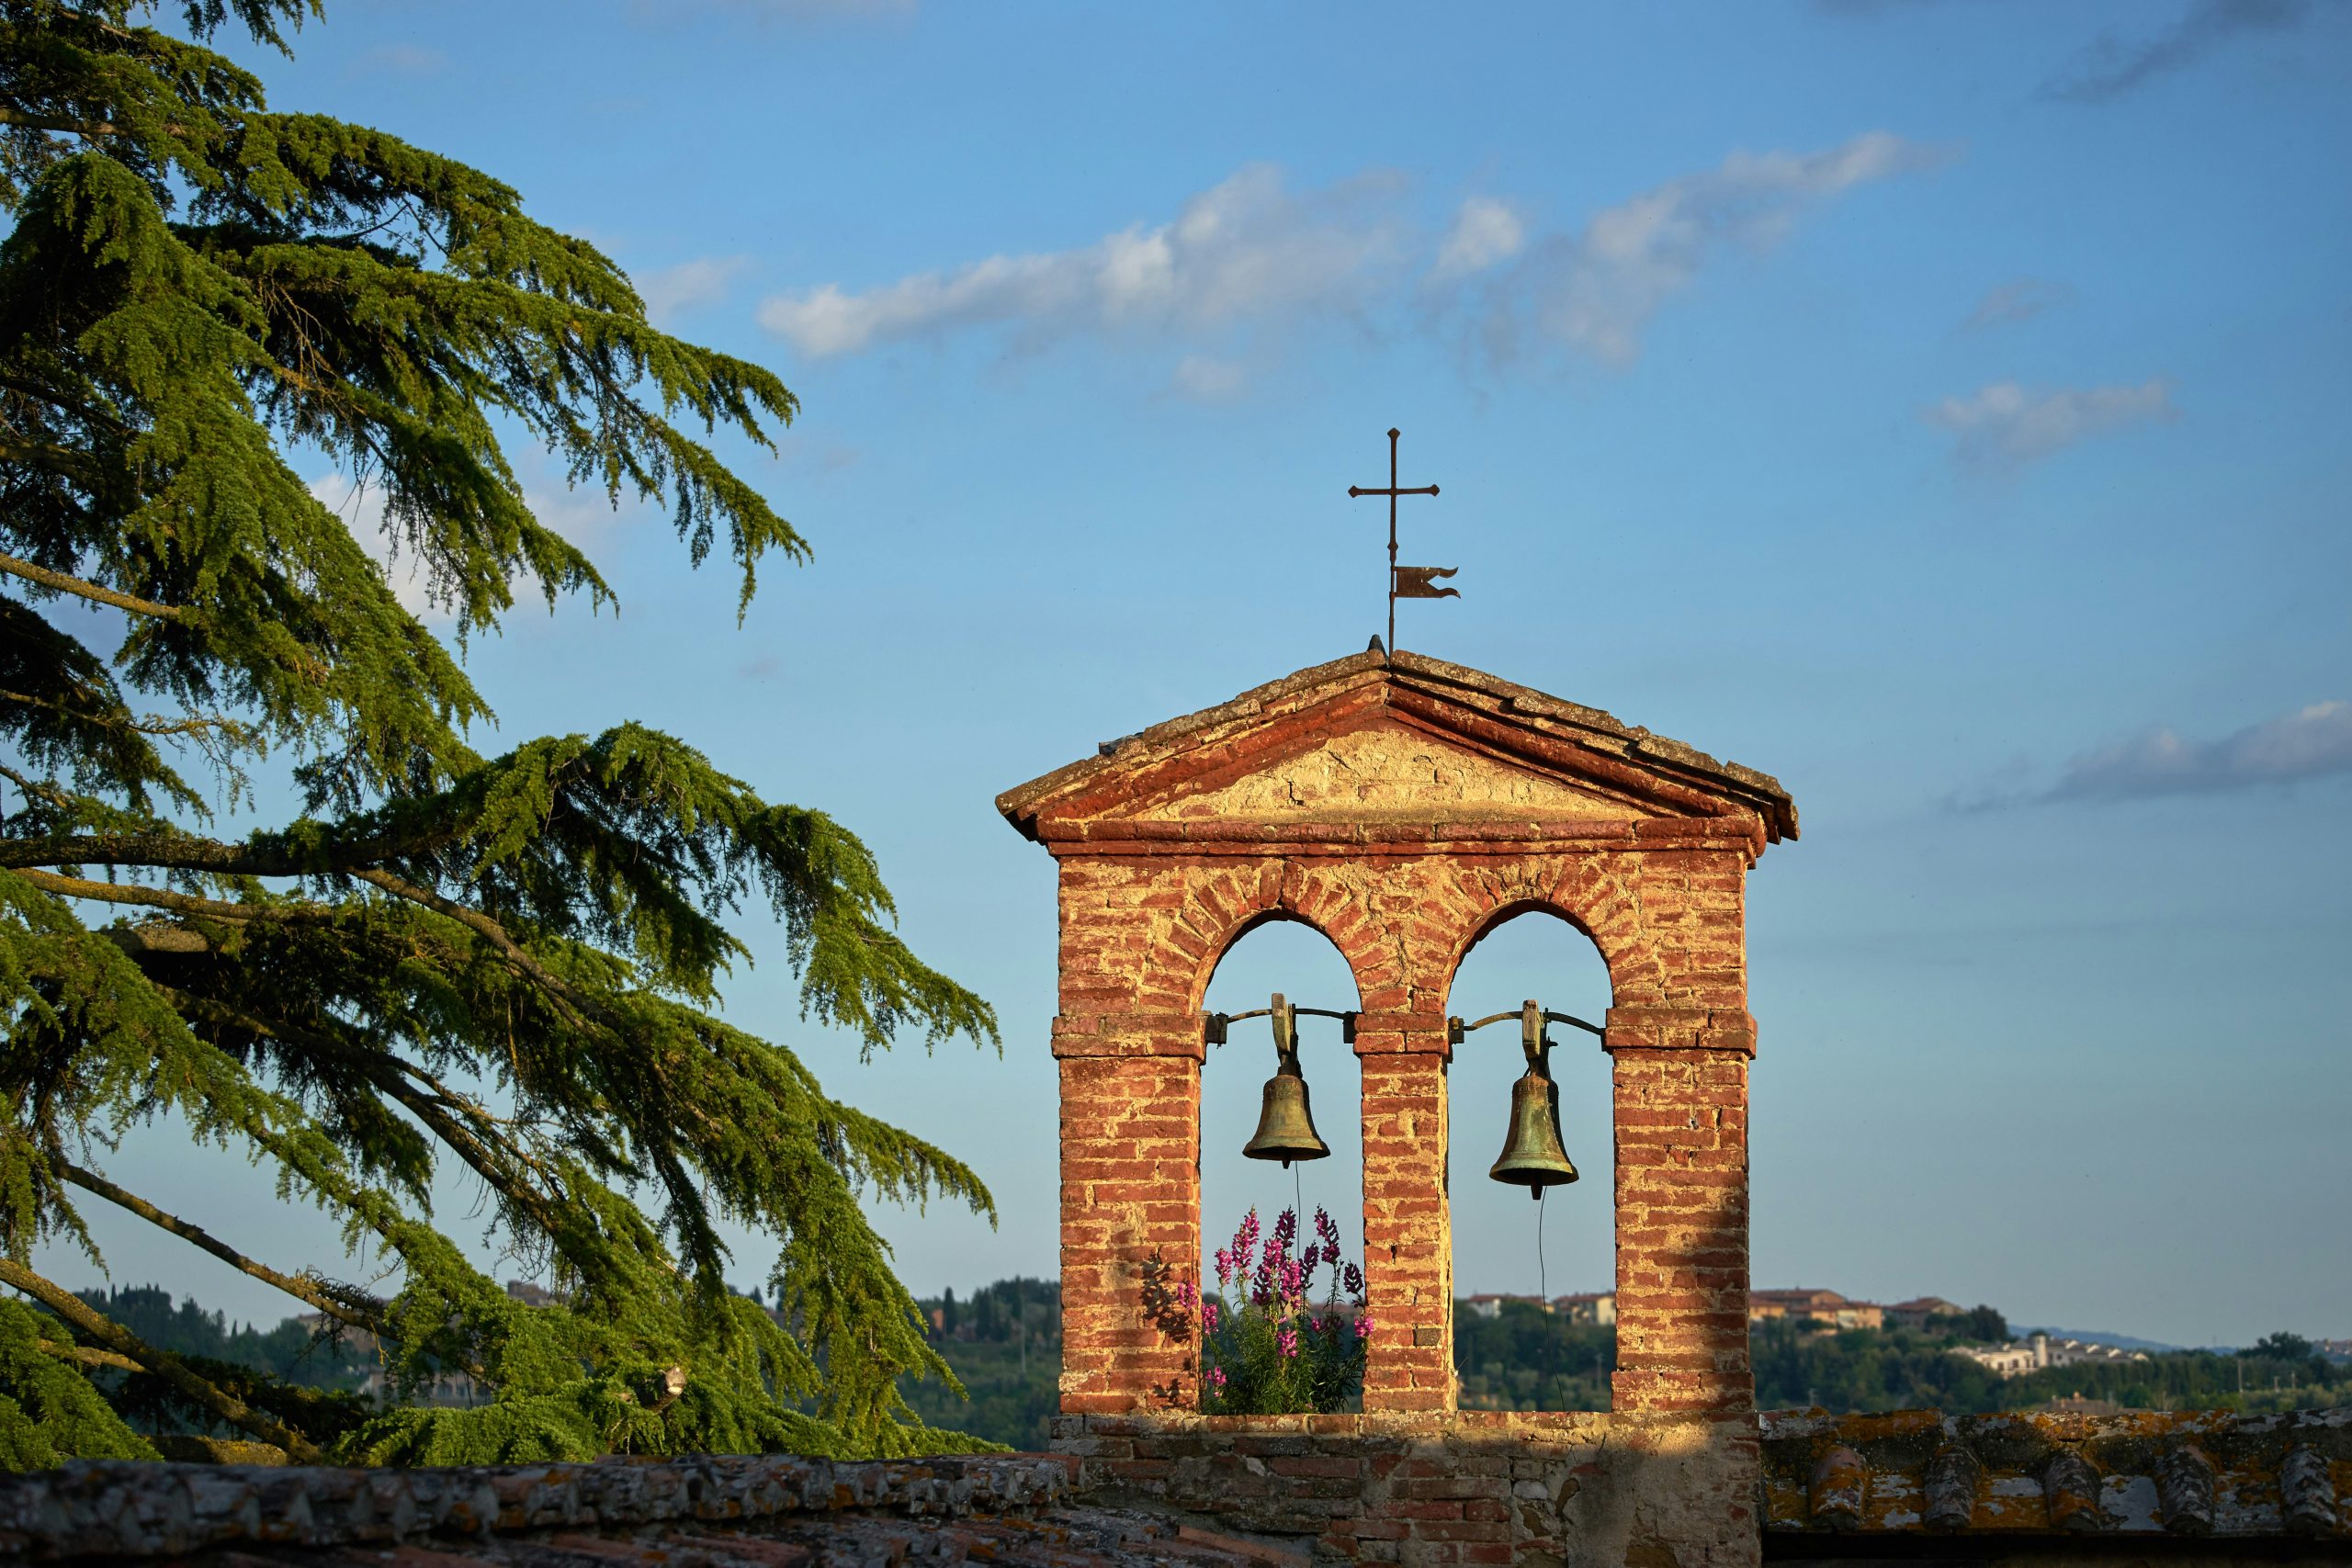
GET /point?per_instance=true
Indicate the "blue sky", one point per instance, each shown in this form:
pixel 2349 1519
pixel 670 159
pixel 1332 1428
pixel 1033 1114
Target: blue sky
pixel 1939 404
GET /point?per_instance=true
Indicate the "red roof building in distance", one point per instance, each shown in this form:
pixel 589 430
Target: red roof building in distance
pixel 1827 1308
pixel 1920 1311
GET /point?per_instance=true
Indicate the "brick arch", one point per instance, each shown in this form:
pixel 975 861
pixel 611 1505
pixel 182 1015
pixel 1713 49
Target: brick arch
pixel 1509 903
pixel 1219 910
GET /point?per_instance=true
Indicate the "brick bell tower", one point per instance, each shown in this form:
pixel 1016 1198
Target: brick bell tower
pixel 1403 806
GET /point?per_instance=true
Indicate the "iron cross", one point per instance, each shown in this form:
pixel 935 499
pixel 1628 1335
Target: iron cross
pixel 1419 587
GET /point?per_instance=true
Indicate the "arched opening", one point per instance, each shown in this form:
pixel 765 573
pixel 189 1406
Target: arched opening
pixel 1299 961
pixel 1535 1283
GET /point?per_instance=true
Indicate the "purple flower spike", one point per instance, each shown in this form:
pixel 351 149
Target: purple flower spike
pixel 1363 1327
pixel 1288 1341
pixel 1208 1316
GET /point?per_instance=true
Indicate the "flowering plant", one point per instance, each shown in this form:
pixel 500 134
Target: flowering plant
pixel 1270 1351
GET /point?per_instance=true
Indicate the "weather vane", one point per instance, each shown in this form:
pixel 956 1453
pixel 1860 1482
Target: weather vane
pixel 1406 581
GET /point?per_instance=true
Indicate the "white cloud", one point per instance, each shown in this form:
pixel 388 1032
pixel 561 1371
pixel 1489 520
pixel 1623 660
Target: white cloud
pixel 2312 742
pixel 1248 259
pixel 689 286
pixel 2005 425
pixel 1485 231
pixel 1246 249
pixel 1202 379
pixel 2019 300
pixel 362 510
pixel 1596 291
pixel 585 517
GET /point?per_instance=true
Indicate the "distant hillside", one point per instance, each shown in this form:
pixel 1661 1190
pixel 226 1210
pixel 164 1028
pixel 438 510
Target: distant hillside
pixel 1004 1342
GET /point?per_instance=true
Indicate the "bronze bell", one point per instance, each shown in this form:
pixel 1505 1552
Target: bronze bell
pixel 1534 1155
pixel 1285 1123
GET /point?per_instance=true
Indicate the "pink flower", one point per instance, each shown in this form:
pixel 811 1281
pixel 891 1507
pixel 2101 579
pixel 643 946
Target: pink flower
pixel 1217 1377
pixel 1208 1316
pixel 1188 1294
pixel 1287 1340
pixel 1363 1327
pixel 1328 1230
pixel 1224 1265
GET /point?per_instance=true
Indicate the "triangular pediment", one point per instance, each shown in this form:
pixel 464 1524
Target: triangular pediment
pixel 1376 740
pixel 1386 771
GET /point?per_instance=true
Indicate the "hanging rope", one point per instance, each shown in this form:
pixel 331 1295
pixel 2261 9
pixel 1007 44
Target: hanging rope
pixel 1543 1281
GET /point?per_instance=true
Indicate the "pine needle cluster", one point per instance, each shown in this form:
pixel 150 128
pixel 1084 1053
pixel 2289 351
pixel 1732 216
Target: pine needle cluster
pixel 505 962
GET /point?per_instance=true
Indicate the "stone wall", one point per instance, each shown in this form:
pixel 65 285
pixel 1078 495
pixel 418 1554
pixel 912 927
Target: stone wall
pixel 2152 1480
pixel 1536 1491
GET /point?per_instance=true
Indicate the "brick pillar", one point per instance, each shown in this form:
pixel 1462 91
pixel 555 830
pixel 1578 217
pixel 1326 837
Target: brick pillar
pixel 1681 1145
pixel 1408 1246
pixel 1131 1186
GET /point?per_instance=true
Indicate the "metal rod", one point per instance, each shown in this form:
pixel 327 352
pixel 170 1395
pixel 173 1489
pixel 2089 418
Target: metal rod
pixel 1549 1017
pixel 1392 492
pixel 1217 1024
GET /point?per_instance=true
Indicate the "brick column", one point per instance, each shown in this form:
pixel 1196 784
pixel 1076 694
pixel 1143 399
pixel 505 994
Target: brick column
pixel 1681 1147
pixel 1409 1250
pixel 1131 1186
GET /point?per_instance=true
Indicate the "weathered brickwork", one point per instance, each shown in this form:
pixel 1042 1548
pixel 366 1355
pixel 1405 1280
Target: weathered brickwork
pixel 1472 1487
pixel 1405 808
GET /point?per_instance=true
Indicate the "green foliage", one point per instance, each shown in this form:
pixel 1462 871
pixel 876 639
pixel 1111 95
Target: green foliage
pixel 506 962
pixel 1899 1370
pixel 1267 1350
pixel 1527 1358
pixel 1981 1324
pixel 1004 1342
pixel 47 1412
pixel 1874 1370
pixel 1524 1358
pixel 295 1351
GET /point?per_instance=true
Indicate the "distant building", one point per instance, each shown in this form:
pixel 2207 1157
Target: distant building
pixel 1492 1305
pixel 2021 1357
pixel 532 1295
pixel 1594 1307
pixel 1921 1311
pixel 1826 1309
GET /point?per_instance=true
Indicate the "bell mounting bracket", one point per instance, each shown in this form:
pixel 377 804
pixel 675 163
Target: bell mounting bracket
pixel 1217 1027
pixel 1532 1016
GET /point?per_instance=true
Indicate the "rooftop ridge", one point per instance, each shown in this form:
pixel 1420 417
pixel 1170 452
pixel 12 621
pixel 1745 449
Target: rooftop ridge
pixel 1593 727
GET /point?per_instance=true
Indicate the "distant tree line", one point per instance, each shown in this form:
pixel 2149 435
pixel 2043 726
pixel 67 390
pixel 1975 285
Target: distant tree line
pixel 1527 1358
pixel 1004 1342
pixel 1904 1369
